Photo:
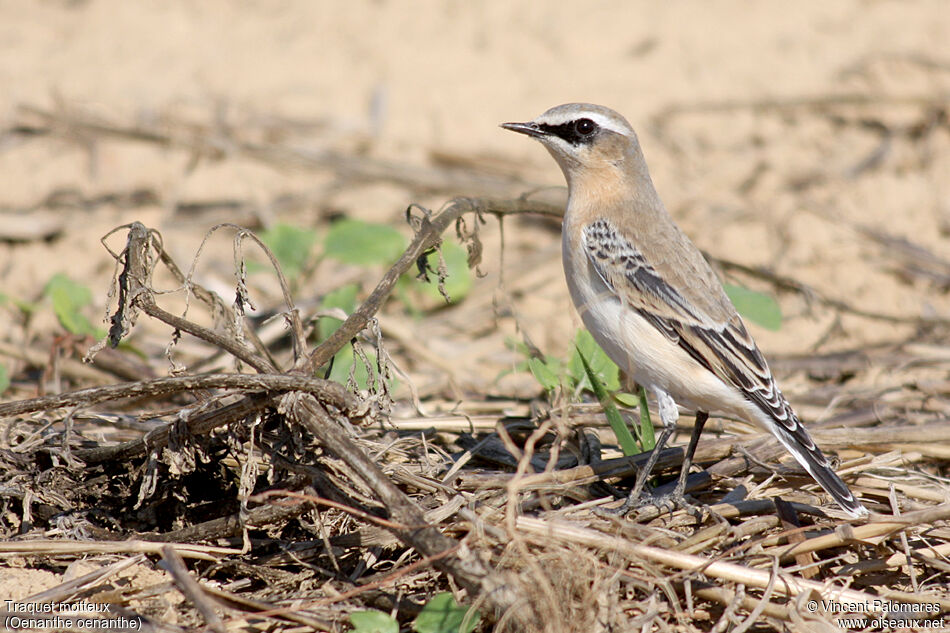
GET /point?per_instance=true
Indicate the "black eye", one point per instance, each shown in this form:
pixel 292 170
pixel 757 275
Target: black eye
pixel 585 127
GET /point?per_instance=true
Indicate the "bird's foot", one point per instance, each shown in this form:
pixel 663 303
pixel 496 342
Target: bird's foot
pixel 648 506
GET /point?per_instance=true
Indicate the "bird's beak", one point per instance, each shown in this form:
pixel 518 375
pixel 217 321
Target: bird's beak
pixel 530 129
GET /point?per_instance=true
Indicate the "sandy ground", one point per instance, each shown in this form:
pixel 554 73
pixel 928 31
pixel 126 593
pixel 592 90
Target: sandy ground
pixel 762 123
pixel 417 78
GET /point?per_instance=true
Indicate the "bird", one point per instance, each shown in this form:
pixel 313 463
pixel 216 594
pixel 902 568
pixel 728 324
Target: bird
pixel 651 300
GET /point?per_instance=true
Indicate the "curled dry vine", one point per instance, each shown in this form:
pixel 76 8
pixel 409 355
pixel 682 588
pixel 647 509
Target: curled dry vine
pixel 314 404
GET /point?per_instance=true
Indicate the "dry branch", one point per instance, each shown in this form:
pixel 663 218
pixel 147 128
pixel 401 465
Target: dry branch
pixel 333 393
pixel 302 409
pixel 720 451
pixel 48 547
pixel 198 424
pixel 191 588
pixel 428 236
pixel 232 525
pixel 788 585
pixel 789 284
pixel 61 592
pixel 135 293
pixel 464 566
pixel 800 103
pixel 879 527
pixel 262 609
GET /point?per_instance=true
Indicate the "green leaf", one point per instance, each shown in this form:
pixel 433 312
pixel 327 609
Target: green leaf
pixel 627 399
pixel 373 622
pixel 4 379
pixel 586 349
pixel 517 346
pixel 363 244
pixel 23 306
pixel 757 307
pixel 624 438
pixel 544 373
pixel 458 281
pixel 291 245
pixel 343 298
pixel 68 299
pixel 647 435
pixel 342 363
pixel 443 615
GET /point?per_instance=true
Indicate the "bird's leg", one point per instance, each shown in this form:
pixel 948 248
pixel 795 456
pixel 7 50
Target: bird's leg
pixel 701 417
pixel 668 416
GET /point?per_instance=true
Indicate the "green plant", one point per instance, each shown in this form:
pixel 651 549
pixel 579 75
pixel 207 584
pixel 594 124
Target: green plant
pixel 291 245
pixel 626 441
pixel 440 615
pixel 68 299
pixel 25 307
pixel 590 369
pixel 586 350
pixel 458 279
pixel 443 615
pixel 755 306
pixel 344 299
pixel 552 373
pixel 363 243
pixel 360 243
pixel 373 622
pixel 647 436
pixel 366 244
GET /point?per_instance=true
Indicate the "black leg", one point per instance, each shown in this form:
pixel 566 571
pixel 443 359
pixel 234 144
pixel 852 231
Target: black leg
pixel 701 417
pixel 633 499
pixel 651 462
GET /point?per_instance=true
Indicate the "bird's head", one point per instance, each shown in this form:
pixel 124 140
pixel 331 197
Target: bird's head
pixel 585 139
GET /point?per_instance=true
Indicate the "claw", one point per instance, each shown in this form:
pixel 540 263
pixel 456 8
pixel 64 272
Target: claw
pixel 643 504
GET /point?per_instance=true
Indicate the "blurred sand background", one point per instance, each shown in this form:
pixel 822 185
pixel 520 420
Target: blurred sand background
pixel 778 134
pixel 721 92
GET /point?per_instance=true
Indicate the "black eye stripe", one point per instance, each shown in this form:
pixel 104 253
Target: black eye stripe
pixel 569 131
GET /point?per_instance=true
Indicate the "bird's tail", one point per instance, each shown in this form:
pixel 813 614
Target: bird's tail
pixel 798 442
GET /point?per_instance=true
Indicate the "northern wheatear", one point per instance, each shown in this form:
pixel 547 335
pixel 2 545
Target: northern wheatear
pixel 650 299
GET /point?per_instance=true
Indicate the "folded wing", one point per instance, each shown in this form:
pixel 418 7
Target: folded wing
pixel 719 342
